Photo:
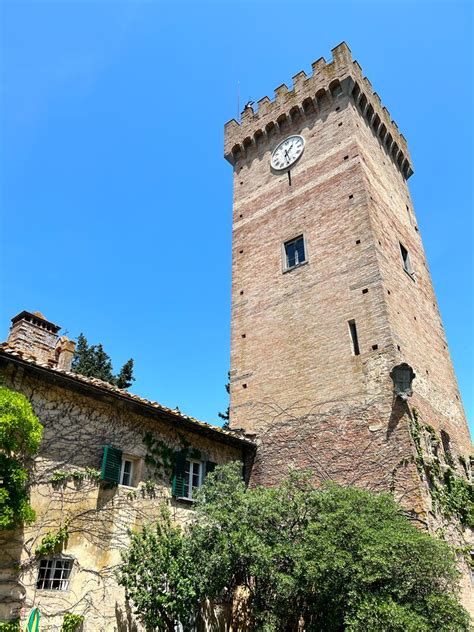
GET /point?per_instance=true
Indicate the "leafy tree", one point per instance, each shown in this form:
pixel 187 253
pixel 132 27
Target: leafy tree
pixel 340 558
pixel 159 575
pixel 20 436
pixel 125 378
pixel 93 361
pixel 335 558
pixel 226 416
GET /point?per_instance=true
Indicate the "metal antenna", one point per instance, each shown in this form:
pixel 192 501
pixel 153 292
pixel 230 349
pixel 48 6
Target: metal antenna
pixel 238 100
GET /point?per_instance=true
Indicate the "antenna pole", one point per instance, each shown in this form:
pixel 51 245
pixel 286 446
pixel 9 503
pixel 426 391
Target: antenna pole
pixel 238 100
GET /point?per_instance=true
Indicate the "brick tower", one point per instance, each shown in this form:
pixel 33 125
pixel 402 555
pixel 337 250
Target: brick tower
pixel 331 290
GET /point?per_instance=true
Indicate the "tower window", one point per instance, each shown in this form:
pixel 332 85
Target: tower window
pixel 354 337
pixel 294 252
pixel 406 260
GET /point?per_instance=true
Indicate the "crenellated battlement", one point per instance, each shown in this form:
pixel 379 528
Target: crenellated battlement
pixel 329 80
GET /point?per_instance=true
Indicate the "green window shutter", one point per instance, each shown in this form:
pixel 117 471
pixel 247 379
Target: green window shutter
pixel 111 464
pixel 178 474
pixel 210 467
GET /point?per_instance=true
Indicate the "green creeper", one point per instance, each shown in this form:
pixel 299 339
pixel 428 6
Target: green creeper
pixel 20 436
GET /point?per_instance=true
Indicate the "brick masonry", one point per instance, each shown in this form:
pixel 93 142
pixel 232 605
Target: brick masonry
pixel 295 383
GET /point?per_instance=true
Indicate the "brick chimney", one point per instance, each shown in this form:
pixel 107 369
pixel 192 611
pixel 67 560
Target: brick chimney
pixel 65 353
pixel 37 337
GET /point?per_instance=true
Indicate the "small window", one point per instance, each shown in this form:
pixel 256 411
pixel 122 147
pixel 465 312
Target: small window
pixel 54 574
pixel 295 253
pixel 192 478
pixel 188 475
pixel 354 337
pixel 126 472
pixel 406 260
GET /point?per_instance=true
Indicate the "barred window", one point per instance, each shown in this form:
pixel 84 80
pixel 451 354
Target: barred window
pixel 54 574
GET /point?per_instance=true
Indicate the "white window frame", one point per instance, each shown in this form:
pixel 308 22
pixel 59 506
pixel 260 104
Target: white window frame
pixel 188 480
pixel 131 460
pixel 286 267
pixel 51 569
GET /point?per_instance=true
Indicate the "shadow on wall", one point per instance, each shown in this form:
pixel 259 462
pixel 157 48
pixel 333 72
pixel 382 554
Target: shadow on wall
pixel 12 591
pixel 124 618
pixel 399 409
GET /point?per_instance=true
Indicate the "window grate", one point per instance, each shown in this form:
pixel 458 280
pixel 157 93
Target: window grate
pixel 54 574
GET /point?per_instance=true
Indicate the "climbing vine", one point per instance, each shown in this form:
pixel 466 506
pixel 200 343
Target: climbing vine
pixel 452 495
pixel 72 622
pixel 20 436
pixel 52 542
pixel 160 456
pixel 89 473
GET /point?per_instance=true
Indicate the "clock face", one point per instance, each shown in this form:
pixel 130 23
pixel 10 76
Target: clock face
pixel 287 152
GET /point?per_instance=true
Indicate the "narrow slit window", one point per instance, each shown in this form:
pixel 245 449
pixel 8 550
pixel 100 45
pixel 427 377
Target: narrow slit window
pixel 295 253
pixel 354 338
pixel 406 259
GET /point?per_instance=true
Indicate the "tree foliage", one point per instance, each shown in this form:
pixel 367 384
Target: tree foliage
pixel 125 377
pixel 336 559
pixel 226 416
pixel 20 436
pixel 93 361
pixel 159 575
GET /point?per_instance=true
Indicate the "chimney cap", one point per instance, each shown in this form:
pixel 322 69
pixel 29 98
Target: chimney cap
pixel 36 318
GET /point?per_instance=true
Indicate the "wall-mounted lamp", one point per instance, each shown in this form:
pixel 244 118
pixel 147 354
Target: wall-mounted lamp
pixel 402 376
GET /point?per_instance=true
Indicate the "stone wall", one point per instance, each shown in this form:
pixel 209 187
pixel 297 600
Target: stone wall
pixel 76 427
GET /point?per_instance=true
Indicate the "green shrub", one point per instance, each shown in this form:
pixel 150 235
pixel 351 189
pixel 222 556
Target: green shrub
pixel 20 436
pixel 71 622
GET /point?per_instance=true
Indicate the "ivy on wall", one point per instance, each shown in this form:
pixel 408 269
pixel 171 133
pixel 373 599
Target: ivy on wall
pixel 452 494
pixel 89 473
pixel 53 542
pixel 161 456
pixel 20 436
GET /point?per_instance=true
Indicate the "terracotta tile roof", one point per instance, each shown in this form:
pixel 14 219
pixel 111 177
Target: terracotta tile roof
pixel 10 352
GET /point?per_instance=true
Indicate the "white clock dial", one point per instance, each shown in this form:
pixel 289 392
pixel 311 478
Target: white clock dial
pixel 287 152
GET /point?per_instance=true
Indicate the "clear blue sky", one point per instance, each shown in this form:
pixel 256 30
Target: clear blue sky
pixel 115 198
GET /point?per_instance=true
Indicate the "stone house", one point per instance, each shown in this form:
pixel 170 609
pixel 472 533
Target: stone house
pixel 107 460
